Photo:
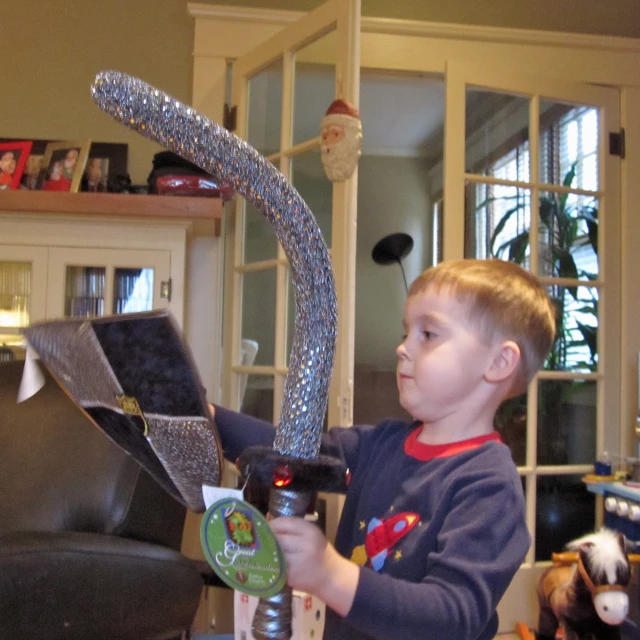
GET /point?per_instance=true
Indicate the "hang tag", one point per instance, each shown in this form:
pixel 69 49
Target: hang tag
pixel 213 494
pixel 242 549
pixel 32 377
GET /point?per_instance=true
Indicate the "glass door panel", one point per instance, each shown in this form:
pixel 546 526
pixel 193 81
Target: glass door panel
pixel 260 242
pixel 99 282
pixel 15 294
pixel 84 291
pixel 314 86
pixel 569 144
pixel 23 293
pixel 539 188
pixel 132 290
pixel 283 89
pixel 307 176
pixel 567 421
pixel 257 396
pixel 265 106
pixel 496 124
pixel 15 298
pixel 563 508
pixel 400 188
pixel 259 317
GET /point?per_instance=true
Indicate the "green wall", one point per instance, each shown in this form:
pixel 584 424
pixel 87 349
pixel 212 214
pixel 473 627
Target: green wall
pixel 54 49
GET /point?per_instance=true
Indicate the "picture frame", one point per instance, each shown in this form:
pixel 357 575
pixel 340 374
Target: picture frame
pixel 116 154
pixel 13 159
pixel 114 157
pixel 63 165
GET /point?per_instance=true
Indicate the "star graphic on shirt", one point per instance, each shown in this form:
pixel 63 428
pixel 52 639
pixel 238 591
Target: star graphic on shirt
pixel 397 555
pixel 363 525
pixel 392 509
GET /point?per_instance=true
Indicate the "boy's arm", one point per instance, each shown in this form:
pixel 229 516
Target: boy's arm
pixel 239 431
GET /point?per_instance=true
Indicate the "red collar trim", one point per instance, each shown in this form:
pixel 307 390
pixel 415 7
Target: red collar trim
pixel 425 452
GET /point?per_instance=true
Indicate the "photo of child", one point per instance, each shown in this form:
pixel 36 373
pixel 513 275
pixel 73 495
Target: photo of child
pixel 96 175
pixel 13 157
pixel 7 168
pixel 63 166
pixel 31 171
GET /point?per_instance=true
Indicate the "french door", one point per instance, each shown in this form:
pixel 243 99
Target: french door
pixel 528 177
pixel 280 105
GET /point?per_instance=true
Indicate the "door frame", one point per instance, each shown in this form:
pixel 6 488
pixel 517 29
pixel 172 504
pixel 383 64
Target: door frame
pixel 224 33
pixel 428 48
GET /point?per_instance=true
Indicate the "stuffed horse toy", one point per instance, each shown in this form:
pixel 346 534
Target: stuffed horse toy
pixel 586 599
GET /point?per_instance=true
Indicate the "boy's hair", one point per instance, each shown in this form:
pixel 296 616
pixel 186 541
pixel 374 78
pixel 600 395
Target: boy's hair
pixel 505 301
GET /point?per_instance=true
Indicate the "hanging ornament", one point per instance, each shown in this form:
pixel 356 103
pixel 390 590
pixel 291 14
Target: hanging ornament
pixel 341 132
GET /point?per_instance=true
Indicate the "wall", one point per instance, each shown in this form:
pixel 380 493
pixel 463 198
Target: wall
pixel 392 197
pixel 54 50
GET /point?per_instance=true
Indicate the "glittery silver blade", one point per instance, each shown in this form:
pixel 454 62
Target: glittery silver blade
pixel 194 137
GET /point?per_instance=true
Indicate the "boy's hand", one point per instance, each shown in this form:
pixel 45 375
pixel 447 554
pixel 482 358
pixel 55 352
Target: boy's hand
pixel 313 564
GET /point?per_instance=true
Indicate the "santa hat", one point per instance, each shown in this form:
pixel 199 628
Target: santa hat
pixel 342 108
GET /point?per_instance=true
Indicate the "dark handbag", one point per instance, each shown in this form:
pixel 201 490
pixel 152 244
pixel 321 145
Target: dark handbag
pixel 134 377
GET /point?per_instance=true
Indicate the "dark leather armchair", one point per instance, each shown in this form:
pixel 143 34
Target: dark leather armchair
pixel 89 542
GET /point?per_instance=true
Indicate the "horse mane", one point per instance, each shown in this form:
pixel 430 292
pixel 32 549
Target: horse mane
pixel 604 556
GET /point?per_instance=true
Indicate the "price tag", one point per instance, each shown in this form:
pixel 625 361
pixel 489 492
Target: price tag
pixel 242 549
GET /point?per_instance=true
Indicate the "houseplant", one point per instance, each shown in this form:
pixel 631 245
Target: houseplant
pixel 567 234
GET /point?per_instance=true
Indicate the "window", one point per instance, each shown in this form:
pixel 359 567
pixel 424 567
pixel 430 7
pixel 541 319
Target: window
pixel 568 222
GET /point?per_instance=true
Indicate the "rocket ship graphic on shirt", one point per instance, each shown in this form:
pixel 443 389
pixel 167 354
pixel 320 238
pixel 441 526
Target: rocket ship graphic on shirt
pixel 382 535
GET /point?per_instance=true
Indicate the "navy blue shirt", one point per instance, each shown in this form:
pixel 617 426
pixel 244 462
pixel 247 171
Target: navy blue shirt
pixel 438 531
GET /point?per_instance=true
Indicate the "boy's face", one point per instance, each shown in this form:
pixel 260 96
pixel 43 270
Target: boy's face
pixel 442 360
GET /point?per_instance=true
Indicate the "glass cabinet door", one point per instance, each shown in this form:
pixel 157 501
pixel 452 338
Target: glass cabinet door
pixel 23 273
pixel 97 282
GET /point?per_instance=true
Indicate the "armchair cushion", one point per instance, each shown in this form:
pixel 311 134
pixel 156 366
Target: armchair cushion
pixel 89 541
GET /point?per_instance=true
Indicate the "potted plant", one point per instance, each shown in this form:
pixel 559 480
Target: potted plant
pixel 566 408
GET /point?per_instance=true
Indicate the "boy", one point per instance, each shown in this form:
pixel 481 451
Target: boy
pixel 433 527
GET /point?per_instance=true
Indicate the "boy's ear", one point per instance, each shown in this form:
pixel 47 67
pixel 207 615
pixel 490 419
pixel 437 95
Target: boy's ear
pixel 505 362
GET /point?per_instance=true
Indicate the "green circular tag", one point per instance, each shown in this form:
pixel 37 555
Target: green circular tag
pixel 242 549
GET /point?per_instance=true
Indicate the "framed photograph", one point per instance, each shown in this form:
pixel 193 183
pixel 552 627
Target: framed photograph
pixel 63 165
pixel 114 154
pixel 32 171
pixel 13 159
pixel 96 176
pixel 111 160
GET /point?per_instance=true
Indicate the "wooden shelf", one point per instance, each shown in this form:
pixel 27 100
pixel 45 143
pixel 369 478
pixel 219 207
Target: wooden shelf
pixel 113 205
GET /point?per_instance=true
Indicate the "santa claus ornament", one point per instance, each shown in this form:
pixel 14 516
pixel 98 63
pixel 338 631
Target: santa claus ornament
pixel 341 131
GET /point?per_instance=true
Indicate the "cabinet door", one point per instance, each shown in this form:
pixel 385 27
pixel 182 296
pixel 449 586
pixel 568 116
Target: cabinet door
pixel 23 294
pixel 97 282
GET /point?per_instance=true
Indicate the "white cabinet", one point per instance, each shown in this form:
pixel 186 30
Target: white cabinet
pixel 46 282
pixel 111 255
pixel 97 282
pixel 23 293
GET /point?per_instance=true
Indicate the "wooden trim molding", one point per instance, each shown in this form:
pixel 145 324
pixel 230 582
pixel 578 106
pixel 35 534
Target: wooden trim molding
pixel 428 29
pixel 115 205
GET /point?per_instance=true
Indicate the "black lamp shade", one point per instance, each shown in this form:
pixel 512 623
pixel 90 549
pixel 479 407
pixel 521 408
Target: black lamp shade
pixel 392 248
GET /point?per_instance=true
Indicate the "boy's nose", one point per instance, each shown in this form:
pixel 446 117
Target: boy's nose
pixel 401 351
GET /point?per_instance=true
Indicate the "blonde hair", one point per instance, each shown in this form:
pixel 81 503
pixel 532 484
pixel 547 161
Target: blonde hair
pixel 505 302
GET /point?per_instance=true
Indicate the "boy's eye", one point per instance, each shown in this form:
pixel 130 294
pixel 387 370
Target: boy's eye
pixel 428 335
pixel 404 337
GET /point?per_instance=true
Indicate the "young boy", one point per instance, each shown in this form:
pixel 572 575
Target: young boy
pixel 433 527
